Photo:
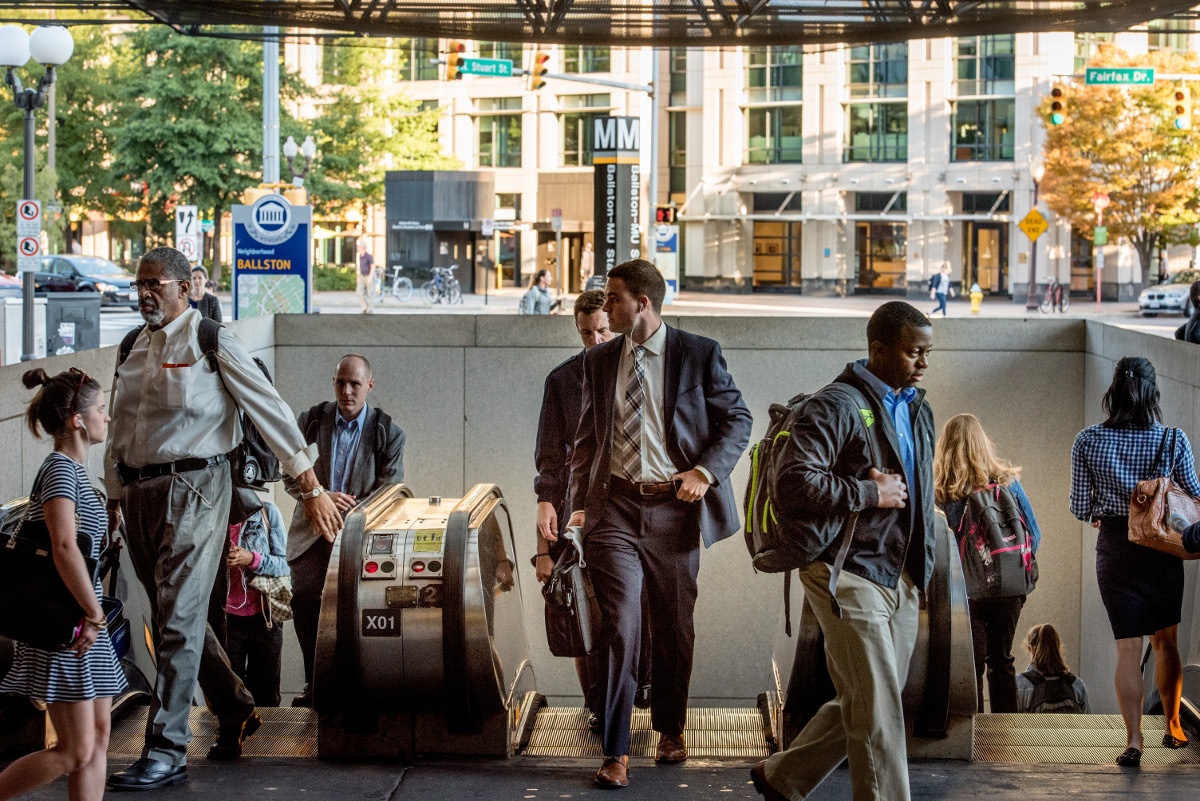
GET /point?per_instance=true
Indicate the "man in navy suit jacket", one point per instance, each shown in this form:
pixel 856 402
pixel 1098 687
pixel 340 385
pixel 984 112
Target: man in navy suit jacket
pixel 662 427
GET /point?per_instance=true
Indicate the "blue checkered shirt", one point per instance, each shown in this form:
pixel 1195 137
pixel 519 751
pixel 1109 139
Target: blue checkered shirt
pixel 1107 463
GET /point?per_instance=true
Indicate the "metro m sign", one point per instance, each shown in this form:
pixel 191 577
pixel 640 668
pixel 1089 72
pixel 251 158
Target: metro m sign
pixel 613 137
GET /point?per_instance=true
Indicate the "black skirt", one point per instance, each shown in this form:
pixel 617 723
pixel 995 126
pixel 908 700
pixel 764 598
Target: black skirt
pixel 1142 589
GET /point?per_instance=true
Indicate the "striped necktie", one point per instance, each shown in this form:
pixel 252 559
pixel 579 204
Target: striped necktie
pixel 631 424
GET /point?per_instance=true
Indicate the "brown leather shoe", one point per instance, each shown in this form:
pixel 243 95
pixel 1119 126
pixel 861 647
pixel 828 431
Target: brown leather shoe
pixel 671 748
pixel 758 775
pixel 613 773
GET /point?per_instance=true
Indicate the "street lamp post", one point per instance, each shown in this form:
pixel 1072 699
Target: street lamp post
pixel 1037 170
pixel 52 47
pixel 291 150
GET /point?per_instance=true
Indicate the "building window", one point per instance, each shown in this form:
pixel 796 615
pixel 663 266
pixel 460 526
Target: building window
pixel 774 73
pixel 677 151
pixel 418 59
pixel 982 130
pixel 986 65
pixel 774 135
pixel 880 253
pixel 499 121
pixel 877 132
pixel 584 58
pixel 508 50
pixel 776 255
pixel 678 68
pixel 985 202
pixel 879 70
pixel 577 127
pixel 1168 34
pixel 1086 45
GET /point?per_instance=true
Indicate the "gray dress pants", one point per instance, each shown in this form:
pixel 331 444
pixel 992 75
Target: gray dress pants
pixel 176 528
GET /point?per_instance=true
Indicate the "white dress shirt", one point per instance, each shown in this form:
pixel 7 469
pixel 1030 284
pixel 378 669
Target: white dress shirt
pixel 656 464
pixel 168 404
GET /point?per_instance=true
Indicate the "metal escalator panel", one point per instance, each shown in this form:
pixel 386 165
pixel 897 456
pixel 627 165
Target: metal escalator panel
pixel 1071 739
pixel 710 733
pixel 422 644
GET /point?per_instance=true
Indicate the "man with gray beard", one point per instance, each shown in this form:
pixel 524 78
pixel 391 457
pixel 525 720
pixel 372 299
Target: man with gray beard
pixel 167 472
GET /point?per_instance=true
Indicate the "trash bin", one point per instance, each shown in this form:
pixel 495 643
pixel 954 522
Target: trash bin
pixel 11 330
pixel 72 322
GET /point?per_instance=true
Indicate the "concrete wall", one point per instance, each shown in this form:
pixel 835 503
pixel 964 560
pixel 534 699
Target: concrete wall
pixel 467 391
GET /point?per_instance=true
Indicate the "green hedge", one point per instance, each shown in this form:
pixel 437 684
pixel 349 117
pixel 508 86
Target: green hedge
pixel 334 279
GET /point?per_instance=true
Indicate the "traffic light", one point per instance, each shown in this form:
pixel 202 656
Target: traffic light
pixel 454 60
pixel 1183 108
pixel 664 215
pixel 537 75
pixel 1058 106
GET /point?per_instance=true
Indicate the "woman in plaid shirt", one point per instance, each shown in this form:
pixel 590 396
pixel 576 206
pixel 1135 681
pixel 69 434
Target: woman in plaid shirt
pixel 1142 588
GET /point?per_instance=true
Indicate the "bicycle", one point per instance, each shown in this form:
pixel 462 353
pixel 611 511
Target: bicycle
pixel 393 283
pixel 443 284
pixel 1056 297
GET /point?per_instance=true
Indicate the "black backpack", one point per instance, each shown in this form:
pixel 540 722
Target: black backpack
pixel 773 545
pixel 994 545
pixel 252 463
pixel 1053 693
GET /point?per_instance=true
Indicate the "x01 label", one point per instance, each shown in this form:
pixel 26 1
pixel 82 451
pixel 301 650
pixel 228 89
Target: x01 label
pixel 381 622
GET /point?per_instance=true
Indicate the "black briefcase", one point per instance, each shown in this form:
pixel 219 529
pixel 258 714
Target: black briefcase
pixel 572 613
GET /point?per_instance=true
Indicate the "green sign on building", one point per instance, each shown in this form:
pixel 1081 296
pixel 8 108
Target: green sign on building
pixel 489 67
pixel 1119 76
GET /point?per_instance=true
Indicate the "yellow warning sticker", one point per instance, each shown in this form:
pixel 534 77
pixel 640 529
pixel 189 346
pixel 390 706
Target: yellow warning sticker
pixel 427 540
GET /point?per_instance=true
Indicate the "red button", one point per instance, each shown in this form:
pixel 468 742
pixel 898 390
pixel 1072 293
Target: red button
pixel 371 567
pixel 418 567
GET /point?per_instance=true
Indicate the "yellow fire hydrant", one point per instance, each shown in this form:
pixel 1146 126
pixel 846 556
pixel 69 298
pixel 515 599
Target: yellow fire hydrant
pixel 976 298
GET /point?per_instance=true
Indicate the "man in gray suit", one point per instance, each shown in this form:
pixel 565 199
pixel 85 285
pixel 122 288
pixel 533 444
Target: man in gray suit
pixel 360 450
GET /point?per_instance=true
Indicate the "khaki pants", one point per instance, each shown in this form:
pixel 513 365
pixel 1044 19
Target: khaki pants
pixel 867 650
pixel 363 290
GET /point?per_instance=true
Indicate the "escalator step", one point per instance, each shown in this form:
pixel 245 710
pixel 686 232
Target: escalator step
pixel 1070 739
pixel 286 732
pixel 563 732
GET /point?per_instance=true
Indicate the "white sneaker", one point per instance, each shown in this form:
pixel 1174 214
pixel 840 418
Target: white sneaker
pixel 1178 522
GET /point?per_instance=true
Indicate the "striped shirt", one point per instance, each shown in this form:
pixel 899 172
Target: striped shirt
pixel 1107 463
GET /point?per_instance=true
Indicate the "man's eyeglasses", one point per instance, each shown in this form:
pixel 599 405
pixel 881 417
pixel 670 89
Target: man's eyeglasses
pixel 153 284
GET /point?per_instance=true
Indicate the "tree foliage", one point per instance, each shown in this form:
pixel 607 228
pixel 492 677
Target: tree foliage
pixel 1122 142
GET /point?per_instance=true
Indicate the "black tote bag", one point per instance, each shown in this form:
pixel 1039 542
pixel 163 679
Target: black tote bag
pixel 572 612
pixel 36 607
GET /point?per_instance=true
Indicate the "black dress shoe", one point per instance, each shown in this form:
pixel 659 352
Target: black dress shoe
pixel 1170 741
pixel 1130 758
pixel 641 699
pixel 595 724
pixel 305 698
pixel 147 774
pixel 230 738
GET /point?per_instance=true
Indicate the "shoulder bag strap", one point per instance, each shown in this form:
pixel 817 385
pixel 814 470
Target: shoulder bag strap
pixel 1162 446
pixel 835 570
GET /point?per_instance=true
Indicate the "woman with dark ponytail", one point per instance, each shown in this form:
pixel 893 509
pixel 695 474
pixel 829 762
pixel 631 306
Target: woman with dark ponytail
pixel 77 683
pixel 1142 589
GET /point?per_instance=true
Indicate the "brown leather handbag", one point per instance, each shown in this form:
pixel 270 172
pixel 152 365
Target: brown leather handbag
pixel 1156 499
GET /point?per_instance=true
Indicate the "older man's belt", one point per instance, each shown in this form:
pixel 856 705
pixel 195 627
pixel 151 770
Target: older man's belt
pixel 131 474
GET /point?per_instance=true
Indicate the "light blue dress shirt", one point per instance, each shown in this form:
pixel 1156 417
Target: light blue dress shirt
pixel 896 402
pixel 346 435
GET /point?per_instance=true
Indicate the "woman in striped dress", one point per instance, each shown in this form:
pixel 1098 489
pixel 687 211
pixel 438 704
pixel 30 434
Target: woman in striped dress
pixel 1142 589
pixel 77 683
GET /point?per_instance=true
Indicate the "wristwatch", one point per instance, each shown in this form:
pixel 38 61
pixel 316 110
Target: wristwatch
pixel 315 492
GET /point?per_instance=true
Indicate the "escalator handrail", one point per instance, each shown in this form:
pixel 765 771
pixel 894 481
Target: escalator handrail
pixel 460 712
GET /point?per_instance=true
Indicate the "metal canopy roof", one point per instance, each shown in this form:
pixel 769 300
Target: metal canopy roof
pixel 696 23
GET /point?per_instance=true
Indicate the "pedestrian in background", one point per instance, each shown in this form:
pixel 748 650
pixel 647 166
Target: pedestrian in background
pixel 965 462
pixel 1048 685
pixel 1141 588
pixel 538 299
pixel 939 288
pixel 366 278
pixel 79 682
pixel 1190 331
pixel 200 298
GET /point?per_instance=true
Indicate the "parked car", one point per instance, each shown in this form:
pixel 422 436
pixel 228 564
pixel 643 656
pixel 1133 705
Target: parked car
pixel 66 273
pixel 1172 295
pixel 10 287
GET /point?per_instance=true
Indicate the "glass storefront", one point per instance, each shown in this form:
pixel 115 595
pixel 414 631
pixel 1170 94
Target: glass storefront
pixel 880 256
